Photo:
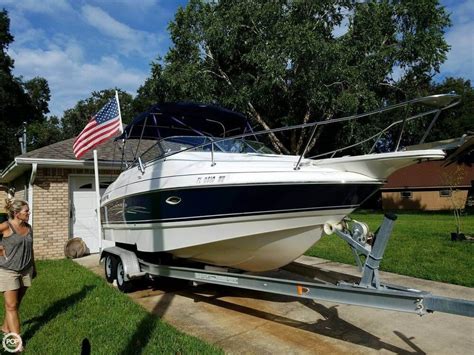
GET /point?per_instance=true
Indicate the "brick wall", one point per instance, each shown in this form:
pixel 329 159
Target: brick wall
pixel 51 211
pixel 3 196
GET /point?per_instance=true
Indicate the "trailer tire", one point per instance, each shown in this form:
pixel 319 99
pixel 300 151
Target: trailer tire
pixel 110 268
pixel 122 285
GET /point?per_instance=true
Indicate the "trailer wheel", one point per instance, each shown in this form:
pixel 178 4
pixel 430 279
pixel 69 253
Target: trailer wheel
pixel 110 268
pixel 124 286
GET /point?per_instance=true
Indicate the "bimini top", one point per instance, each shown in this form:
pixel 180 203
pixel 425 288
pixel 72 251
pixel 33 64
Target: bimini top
pixel 186 119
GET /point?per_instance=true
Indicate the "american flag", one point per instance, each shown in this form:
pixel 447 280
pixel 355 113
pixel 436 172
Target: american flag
pixel 105 124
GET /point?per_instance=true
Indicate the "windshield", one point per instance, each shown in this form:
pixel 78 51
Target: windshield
pixel 243 146
pixel 152 150
pixel 259 147
pixel 231 145
pixel 177 143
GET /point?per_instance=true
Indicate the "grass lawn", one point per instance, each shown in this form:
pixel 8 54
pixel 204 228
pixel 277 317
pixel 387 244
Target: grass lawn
pixel 420 246
pixel 68 304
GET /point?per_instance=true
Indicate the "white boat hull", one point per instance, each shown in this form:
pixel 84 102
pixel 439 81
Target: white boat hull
pixel 254 243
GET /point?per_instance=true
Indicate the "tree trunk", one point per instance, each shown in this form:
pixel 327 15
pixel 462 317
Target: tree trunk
pixel 253 112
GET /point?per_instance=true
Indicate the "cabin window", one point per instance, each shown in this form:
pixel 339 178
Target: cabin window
pixel 85 187
pixel 445 193
pixel 406 194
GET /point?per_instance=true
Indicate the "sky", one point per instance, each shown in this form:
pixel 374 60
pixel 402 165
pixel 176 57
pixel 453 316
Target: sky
pixel 84 46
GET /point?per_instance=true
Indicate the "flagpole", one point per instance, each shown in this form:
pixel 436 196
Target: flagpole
pixel 88 139
pixel 97 194
pixel 120 114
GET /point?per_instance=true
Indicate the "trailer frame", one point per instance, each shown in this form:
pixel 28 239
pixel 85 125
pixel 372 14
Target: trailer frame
pixel 125 266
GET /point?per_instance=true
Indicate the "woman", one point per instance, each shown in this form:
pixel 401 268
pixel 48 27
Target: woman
pixel 16 261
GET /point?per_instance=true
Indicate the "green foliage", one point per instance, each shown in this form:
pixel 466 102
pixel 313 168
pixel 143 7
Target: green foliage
pixel 43 132
pixel 152 91
pixel 67 304
pixel 6 63
pixel 281 63
pixel 19 101
pixel 459 120
pixel 75 119
pixel 39 93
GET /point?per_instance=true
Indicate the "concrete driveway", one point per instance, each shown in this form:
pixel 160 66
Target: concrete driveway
pixel 242 321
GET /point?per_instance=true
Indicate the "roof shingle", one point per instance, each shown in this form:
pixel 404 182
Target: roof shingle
pixel 108 151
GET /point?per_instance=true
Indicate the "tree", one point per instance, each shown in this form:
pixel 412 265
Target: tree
pixel 15 104
pixel 43 132
pixel 460 119
pixel 75 119
pixel 453 176
pixel 281 63
pixel 39 94
pixel 152 91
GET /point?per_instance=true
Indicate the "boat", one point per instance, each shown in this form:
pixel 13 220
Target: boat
pixel 200 185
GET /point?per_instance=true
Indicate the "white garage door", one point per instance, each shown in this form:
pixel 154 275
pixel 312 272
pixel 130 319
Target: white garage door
pixel 83 210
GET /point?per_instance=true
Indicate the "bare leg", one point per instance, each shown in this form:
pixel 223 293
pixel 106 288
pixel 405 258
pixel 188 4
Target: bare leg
pixel 11 310
pixel 21 292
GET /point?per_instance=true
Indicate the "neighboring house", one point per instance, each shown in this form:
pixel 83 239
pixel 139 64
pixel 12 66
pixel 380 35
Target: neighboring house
pixel 61 192
pixel 429 186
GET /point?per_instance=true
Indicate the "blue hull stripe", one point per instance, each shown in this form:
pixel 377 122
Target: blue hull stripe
pixel 234 201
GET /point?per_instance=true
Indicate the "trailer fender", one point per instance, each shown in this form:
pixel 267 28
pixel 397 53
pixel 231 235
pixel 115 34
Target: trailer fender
pixel 131 266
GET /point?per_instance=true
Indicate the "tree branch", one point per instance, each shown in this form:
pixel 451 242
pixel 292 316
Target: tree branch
pixel 341 83
pixel 212 72
pixel 318 133
pixel 274 139
pixel 303 134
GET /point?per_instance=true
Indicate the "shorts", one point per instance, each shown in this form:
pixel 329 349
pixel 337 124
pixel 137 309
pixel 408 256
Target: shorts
pixel 13 280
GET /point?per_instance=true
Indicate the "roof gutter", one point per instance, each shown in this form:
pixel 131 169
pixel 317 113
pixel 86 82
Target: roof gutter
pixel 63 162
pixel 19 165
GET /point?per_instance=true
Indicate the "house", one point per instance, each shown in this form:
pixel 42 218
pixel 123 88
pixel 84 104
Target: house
pixel 61 193
pixel 429 186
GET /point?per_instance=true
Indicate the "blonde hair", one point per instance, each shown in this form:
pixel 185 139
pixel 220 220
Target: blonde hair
pixel 14 206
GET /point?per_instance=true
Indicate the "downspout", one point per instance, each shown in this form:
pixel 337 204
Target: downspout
pixel 34 168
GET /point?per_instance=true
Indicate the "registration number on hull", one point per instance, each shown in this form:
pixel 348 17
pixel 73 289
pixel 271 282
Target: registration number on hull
pixel 211 179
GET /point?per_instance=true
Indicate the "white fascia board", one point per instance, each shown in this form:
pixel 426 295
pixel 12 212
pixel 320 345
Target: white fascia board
pixel 20 165
pixel 64 163
pixel 51 162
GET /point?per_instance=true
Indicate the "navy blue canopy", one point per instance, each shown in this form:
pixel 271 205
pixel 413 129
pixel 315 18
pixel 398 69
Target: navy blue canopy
pixel 186 119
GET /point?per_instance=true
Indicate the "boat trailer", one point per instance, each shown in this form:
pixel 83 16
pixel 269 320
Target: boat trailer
pixel 125 266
